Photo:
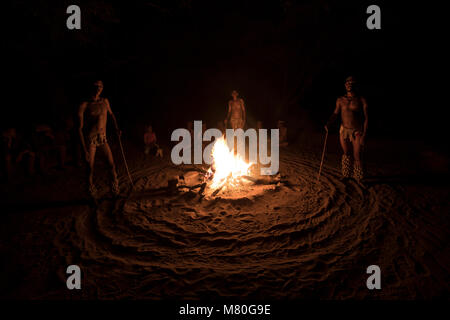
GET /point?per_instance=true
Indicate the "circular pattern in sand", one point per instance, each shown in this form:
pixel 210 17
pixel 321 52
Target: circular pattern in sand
pixel 302 239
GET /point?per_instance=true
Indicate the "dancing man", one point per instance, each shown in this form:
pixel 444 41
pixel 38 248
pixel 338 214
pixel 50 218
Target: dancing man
pixel 94 114
pixel 354 116
pixel 236 112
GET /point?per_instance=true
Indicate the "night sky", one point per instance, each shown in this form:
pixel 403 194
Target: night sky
pixel 167 62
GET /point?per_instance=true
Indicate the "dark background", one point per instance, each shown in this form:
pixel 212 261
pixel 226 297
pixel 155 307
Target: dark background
pixel 167 62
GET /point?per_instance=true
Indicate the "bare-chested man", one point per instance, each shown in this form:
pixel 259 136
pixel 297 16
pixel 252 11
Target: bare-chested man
pixel 236 112
pixel 93 115
pixel 354 115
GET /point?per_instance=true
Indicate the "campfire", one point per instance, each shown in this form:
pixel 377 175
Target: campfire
pixel 229 176
pixel 227 170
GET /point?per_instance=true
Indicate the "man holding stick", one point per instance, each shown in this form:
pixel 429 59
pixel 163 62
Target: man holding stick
pixel 93 115
pixel 352 133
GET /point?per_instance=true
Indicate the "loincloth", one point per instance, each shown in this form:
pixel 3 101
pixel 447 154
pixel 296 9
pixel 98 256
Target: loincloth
pixel 98 139
pixel 237 123
pixel 349 133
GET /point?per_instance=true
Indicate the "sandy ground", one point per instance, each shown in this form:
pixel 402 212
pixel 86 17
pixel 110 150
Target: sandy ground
pixel 301 240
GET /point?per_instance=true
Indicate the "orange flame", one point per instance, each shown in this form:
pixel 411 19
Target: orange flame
pixel 228 167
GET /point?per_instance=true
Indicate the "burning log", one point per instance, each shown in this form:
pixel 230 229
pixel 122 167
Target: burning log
pixel 217 191
pixel 190 188
pixel 228 173
pixel 202 189
pixel 191 181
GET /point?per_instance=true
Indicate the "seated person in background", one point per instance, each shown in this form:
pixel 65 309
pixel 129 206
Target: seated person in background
pixel 259 125
pixel 283 133
pixel 16 150
pixel 26 155
pixel 150 145
pixel 66 139
pixel 43 142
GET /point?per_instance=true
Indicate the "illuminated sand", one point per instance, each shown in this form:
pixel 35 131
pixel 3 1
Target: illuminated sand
pixel 302 240
pixel 297 240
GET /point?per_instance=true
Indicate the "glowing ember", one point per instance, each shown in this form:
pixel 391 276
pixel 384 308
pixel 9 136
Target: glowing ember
pixel 227 168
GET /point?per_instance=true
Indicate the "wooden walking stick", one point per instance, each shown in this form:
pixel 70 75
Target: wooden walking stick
pixel 125 160
pixel 323 155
